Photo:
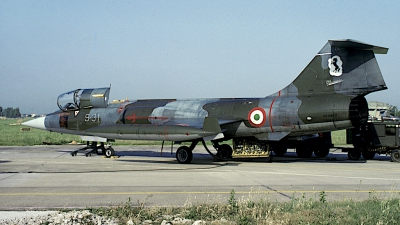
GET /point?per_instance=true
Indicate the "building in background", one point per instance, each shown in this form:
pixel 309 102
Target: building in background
pixel 382 111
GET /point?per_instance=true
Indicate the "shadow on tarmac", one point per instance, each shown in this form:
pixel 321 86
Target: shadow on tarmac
pixel 206 159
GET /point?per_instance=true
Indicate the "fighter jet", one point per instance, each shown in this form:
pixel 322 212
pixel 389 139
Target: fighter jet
pixel 329 94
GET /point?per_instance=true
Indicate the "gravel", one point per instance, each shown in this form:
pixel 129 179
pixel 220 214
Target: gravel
pixel 53 217
pixel 81 218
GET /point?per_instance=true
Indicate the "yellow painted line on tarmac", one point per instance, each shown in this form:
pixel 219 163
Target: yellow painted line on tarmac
pixel 310 164
pixel 191 192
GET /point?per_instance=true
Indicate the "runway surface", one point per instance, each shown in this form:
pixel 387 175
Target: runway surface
pixel 48 177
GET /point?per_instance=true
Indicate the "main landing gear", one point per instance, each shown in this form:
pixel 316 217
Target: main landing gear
pixel 94 148
pixel 184 154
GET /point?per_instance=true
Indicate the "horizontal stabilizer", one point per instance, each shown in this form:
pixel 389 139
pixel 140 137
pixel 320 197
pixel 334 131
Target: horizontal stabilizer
pixel 349 43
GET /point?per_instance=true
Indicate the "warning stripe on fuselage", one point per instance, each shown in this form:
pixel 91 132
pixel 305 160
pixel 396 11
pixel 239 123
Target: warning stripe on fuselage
pixel 270 111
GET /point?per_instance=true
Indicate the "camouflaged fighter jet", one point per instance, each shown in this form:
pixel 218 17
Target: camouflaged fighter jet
pixel 327 95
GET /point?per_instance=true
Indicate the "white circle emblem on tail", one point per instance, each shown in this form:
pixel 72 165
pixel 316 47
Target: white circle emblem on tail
pixel 257 117
pixel 335 66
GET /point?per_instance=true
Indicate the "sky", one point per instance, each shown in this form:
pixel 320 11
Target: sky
pixel 179 49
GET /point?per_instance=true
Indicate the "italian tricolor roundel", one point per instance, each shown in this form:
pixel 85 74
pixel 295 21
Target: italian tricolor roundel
pixel 257 117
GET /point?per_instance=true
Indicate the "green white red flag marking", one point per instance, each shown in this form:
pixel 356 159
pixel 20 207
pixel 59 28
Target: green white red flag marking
pixel 257 117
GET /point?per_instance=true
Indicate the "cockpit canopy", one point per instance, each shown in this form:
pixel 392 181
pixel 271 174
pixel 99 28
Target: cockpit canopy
pixel 83 99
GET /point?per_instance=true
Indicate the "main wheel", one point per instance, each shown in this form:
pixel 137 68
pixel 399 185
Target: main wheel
pixel 304 152
pixel 225 151
pixel 184 155
pixel 395 155
pixel 368 155
pixel 109 152
pixel 279 150
pixel 321 152
pixel 354 154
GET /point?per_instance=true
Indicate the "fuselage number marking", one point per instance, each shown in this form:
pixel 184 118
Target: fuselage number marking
pixel 92 117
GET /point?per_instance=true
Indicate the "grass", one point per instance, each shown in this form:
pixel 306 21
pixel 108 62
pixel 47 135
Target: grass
pixel 339 137
pixel 302 210
pixel 10 135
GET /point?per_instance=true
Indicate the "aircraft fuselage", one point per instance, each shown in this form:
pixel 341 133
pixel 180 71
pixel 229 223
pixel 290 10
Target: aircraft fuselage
pixel 173 119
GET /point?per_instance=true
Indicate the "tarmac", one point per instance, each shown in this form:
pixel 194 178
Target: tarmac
pixel 48 178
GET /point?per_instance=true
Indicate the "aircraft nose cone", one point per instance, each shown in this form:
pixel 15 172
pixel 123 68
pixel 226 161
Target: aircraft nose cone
pixel 36 123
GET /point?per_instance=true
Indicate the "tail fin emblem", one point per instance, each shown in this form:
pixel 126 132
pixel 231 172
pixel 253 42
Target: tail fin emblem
pixel 335 66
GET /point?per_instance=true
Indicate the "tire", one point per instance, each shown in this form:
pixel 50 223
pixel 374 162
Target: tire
pixel 109 152
pixel 304 152
pixel 395 155
pixel 321 152
pixel 368 155
pixel 279 150
pixel 184 155
pixel 354 154
pixel 225 151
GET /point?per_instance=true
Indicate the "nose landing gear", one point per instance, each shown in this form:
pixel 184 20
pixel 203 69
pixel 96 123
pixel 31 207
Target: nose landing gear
pixel 94 148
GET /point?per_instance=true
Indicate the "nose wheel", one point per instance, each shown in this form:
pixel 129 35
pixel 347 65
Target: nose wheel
pixel 109 152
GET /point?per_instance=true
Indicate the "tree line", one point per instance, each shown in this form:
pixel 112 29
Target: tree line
pixel 10 112
pixel 393 110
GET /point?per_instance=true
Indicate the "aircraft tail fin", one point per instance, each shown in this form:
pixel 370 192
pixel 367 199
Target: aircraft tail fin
pixel 345 67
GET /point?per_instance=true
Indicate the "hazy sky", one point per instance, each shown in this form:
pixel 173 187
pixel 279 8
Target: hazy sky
pixel 179 49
